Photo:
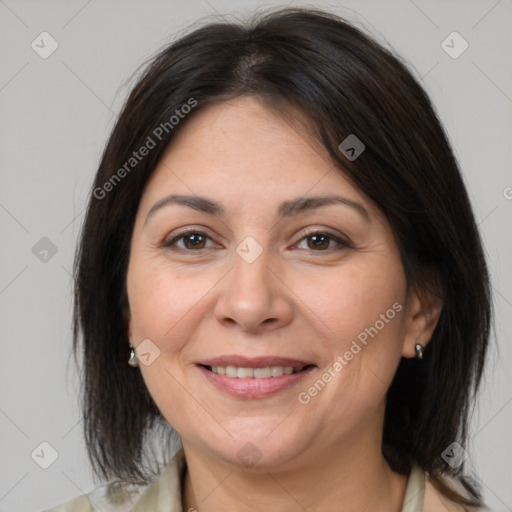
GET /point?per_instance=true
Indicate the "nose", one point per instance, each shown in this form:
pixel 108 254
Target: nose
pixel 254 297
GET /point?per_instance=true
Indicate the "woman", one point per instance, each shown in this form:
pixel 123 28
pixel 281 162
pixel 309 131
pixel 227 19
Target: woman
pixel 280 244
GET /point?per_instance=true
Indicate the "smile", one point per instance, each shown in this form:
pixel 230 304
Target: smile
pixel 253 378
pixel 266 372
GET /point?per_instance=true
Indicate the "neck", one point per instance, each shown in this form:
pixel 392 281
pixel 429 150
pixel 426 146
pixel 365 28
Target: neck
pixel 351 475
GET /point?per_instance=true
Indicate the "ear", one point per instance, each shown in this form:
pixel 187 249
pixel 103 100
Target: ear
pixel 422 313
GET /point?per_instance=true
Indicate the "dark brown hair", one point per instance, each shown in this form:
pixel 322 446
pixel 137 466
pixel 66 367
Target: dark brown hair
pixel 343 83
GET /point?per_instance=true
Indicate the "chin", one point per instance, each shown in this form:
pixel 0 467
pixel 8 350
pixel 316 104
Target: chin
pixel 259 445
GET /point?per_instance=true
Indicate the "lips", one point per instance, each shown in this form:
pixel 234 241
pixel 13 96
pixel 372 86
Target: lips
pixel 258 368
pixel 251 378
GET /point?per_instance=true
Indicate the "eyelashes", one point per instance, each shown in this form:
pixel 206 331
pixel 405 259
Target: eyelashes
pixel 195 242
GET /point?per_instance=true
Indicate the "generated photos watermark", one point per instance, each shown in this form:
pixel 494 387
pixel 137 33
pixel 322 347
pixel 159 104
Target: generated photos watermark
pixel 137 156
pixel 342 360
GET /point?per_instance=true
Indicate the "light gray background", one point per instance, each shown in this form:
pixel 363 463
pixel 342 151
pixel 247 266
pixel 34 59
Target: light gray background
pixel 55 116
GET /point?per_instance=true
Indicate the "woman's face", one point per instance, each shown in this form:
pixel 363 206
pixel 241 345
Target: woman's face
pixel 248 274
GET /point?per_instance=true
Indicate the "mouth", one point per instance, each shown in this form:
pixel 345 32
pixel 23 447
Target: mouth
pixel 263 372
pixel 251 378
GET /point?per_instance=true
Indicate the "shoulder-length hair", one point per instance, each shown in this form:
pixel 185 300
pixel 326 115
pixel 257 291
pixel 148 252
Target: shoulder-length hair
pixel 343 82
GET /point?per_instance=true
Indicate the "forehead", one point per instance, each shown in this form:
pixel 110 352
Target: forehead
pixel 241 151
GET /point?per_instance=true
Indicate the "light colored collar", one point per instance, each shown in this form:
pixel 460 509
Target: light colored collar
pixel 415 491
pixel 164 494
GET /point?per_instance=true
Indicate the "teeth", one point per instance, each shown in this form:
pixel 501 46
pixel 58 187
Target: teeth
pixel 262 373
pixel 245 373
pixel 231 371
pixel 276 371
pixel 257 373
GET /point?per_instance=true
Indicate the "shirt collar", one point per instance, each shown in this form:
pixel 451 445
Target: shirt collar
pixel 164 493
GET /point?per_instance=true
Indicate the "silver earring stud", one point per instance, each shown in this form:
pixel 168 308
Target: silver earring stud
pixel 133 361
pixel 418 348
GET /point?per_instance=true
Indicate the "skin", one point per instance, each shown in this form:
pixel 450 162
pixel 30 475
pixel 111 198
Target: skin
pixel 295 300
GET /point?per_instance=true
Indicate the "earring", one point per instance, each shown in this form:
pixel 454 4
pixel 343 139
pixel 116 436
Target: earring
pixel 133 362
pixel 418 348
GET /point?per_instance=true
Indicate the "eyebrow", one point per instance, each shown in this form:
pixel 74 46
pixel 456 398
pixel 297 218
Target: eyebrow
pixel 286 208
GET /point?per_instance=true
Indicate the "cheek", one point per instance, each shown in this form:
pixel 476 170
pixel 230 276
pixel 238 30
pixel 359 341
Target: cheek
pixel 350 299
pixel 362 308
pixel 164 309
pixel 161 301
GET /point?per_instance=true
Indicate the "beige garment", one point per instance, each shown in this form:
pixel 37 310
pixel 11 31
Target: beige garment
pixel 163 495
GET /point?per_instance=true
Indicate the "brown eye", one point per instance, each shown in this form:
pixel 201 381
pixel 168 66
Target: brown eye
pixel 192 240
pixel 320 242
